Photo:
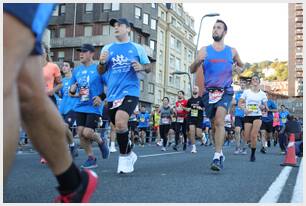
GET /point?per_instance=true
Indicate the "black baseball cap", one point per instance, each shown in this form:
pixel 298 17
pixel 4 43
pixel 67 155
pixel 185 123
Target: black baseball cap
pixel 86 48
pixel 120 21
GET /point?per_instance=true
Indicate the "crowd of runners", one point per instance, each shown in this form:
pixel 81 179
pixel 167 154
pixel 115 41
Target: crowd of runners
pixel 95 98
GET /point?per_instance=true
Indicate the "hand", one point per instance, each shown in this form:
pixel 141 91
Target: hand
pixel 50 92
pixel 262 107
pixel 96 101
pixel 137 66
pixel 73 88
pixel 103 57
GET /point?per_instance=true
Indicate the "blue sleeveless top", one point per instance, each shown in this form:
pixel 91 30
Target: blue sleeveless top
pixel 218 68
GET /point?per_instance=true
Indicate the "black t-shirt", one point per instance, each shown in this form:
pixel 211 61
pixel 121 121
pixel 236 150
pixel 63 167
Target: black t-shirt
pixel 193 103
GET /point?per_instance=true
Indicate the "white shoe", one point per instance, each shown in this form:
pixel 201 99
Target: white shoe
pixel 163 149
pixel 194 150
pixel 126 163
pixel 112 149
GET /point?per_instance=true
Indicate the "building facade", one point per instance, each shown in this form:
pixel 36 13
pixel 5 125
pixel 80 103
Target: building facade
pixel 295 60
pixel 74 24
pixel 175 51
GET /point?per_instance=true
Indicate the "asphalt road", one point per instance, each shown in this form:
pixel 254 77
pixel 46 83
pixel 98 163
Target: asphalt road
pixel 161 177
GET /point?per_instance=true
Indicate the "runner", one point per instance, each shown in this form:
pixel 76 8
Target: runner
pixel 121 61
pixel 132 124
pixel 181 120
pixel 165 121
pixel 89 107
pixel 239 118
pixel 217 61
pixel 206 127
pixel 195 117
pixel 143 124
pixel 24 99
pixel 67 104
pixel 252 101
pixel 267 125
pixel 156 120
pixel 276 127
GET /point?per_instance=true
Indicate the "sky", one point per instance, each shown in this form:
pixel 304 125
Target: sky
pixel 259 31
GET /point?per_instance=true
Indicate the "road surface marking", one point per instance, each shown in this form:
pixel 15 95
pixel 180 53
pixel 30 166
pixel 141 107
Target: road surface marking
pixel 277 186
pixel 297 196
pixel 154 155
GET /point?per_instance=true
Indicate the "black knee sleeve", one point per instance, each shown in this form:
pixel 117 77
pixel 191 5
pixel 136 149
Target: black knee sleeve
pixel 124 142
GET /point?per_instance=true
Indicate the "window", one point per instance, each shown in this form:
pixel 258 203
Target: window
pixel 177 81
pixel 146 18
pixel 153 24
pixel 178 45
pixel 151 88
pixel 152 44
pixel 179 25
pixel 62 32
pixel 141 85
pixel 137 12
pixel 161 57
pixel 61 56
pixel 172 61
pixel 131 35
pixel 173 21
pixel 161 37
pixel 172 42
pixel 62 8
pixel 162 15
pixel 115 6
pixel 87 30
pixel 159 96
pixel 159 76
pixel 170 80
pixel 189 55
pixel 53 33
pixel 88 8
pixel 177 64
pixel 55 12
pixel 138 38
pixel 107 6
pixel 153 5
pixel 105 30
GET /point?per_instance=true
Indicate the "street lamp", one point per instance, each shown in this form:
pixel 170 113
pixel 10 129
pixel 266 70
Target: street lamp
pixel 184 73
pixel 196 49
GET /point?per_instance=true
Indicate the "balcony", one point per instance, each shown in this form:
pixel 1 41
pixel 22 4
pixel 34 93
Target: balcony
pixel 78 41
pixel 299 74
pixel 299 43
pixel 299 26
pixel 299 67
pixel 299 7
pixel 299 31
pixel 299 13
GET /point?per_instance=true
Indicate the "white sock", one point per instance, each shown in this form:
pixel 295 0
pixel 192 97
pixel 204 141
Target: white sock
pixel 193 146
pixel 217 155
pixel 112 144
pixel 221 153
pixel 71 145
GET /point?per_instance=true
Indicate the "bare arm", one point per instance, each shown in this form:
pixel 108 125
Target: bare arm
pixel 239 66
pixel 59 84
pixel 199 60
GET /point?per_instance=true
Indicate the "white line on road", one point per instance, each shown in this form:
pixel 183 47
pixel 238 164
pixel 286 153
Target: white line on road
pixel 154 155
pixel 277 186
pixel 297 196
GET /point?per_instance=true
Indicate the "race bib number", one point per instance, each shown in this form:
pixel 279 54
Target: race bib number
pixel 173 119
pixel 142 119
pixel 180 119
pixel 117 103
pixel 284 120
pixel 165 120
pixel 194 112
pixel 84 93
pixel 253 107
pixel 215 96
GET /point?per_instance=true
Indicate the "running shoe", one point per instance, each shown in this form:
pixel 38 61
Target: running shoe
pixel 185 146
pixel 237 151
pixel 217 164
pixel 43 160
pixel 194 150
pixel 175 148
pixel 163 149
pixel 84 192
pixel 74 151
pixel 126 163
pixel 112 149
pixel 244 151
pixel 252 158
pixel 90 163
pixel 263 150
pixel 104 148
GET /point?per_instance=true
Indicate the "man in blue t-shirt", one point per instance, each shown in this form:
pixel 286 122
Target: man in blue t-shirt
pixel 143 124
pixel 239 116
pixel 67 103
pixel 283 114
pixel 121 61
pixel 266 128
pixel 88 109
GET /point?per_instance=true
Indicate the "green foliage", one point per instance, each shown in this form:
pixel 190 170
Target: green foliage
pixel 280 67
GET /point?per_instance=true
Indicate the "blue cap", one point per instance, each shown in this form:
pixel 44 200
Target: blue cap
pixel 86 48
